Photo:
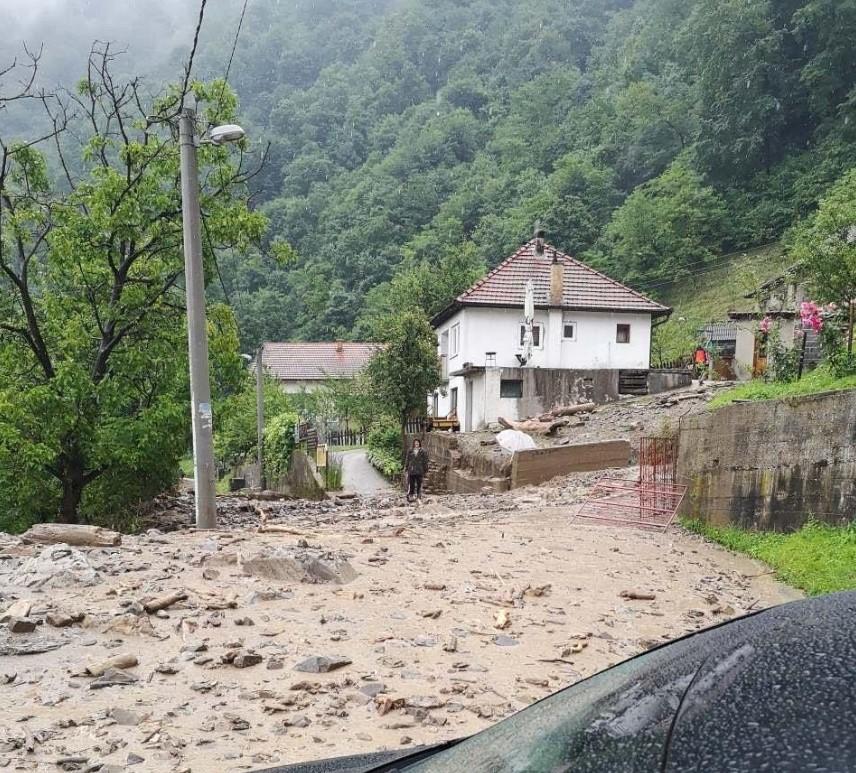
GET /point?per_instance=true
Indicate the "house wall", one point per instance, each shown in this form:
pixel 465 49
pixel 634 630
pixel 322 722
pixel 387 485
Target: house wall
pixel 498 330
pixel 593 352
pixel 295 387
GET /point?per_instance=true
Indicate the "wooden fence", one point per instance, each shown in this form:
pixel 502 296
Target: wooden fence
pixel 346 437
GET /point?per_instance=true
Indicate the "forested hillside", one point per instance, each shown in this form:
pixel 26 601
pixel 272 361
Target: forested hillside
pixel 413 141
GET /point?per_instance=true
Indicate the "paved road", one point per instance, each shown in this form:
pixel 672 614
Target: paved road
pixel 359 476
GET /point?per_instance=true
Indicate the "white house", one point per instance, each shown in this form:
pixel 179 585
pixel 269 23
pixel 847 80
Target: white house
pixel 304 367
pixel 589 331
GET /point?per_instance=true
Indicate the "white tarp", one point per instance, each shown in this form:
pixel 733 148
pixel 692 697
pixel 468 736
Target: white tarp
pixel 514 440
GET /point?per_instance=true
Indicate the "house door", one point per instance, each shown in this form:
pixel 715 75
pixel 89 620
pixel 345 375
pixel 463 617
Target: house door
pixel 468 405
pixel 759 358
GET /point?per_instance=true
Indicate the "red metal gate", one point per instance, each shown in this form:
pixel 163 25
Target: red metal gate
pixel 650 501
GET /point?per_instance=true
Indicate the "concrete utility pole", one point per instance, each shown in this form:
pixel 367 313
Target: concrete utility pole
pixel 197 328
pixel 260 415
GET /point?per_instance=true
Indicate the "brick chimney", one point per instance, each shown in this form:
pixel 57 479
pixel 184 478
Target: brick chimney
pixel 557 280
pixel 539 240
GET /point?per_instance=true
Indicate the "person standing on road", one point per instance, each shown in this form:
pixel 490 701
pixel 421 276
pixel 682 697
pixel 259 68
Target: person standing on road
pixel 416 468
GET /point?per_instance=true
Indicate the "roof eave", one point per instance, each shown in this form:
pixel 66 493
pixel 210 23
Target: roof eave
pixel 454 308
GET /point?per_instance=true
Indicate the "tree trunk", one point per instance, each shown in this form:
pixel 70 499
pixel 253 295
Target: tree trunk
pixel 73 480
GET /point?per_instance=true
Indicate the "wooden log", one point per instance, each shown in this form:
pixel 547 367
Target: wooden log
pixel 532 426
pixel 75 534
pixel 162 602
pixel 570 410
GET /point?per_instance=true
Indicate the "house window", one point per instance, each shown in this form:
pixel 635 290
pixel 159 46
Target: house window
pixel 511 388
pixel 536 336
pixel 569 330
pixel 453 402
pixel 622 334
pixel 454 340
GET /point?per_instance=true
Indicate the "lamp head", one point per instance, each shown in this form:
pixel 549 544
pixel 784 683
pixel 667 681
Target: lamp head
pixel 229 132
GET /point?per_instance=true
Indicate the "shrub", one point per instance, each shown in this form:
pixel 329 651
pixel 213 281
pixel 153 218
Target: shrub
pixel 279 443
pixel 384 444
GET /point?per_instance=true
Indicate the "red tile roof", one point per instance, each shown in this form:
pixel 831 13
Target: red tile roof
pixel 584 288
pixel 316 361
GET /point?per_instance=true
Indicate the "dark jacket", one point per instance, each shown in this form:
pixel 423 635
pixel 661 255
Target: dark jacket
pixel 417 461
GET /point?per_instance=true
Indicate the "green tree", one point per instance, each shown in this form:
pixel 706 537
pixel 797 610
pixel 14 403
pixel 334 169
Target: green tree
pixel 666 229
pixel 92 314
pixel 407 368
pixel 826 248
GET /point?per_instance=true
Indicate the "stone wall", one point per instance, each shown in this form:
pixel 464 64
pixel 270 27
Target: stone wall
pixel 772 464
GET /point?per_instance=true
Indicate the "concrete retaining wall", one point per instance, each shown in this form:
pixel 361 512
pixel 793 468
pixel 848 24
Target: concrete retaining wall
pixel 458 471
pixel 663 380
pixel 541 464
pixel 772 464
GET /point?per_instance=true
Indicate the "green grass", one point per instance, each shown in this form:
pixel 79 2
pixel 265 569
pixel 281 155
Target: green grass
pixel 817 558
pixel 819 380
pixel 708 296
pixel 186 464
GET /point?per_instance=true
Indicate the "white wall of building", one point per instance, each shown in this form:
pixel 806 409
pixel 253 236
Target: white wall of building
pixel 593 347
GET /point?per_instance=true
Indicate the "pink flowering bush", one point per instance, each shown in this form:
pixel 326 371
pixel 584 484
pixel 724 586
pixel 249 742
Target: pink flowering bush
pixel 812 316
pixel 765 325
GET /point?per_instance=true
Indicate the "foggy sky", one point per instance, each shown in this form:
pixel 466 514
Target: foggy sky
pixel 156 33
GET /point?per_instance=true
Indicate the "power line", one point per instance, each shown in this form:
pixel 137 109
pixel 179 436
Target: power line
pixel 189 66
pixel 235 42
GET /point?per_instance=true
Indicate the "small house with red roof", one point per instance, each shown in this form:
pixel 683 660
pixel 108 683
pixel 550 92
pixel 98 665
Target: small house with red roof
pixel 303 367
pixel 590 338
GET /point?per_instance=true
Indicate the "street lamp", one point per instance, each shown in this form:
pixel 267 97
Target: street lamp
pixel 197 333
pixel 260 411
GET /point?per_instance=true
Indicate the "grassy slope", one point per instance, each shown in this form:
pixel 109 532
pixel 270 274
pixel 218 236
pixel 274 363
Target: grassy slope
pixel 709 295
pixel 818 559
pixel 819 380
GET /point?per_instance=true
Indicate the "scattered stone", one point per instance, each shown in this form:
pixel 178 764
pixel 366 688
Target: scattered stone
pixel 298 720
pixel 116 662
pixel 320 664
pixel 432 614
pixel 244 621
pixel 451 644
pixel 19 608
pixel 274 664
pixel 501 640
pixel 30 646
pixel 62 619
pixel 134 759
pixel 373 689
pixel 113 677
pixel 125 717
pixel 405 740
pixel 434 586
pixel 21 625
pixel 245 659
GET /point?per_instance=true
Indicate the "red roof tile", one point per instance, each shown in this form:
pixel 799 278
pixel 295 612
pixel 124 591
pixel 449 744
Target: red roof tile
pixel 584 288
pixel 316 361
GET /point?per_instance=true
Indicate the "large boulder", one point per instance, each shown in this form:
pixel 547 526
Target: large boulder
pixel 57 566
pixel 295 564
